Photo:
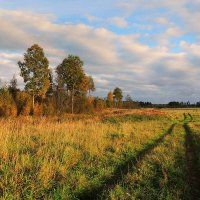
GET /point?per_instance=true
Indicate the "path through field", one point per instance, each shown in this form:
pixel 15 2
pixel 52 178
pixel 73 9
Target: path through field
pixel 192 160
pixel 122 170
pixel 102 192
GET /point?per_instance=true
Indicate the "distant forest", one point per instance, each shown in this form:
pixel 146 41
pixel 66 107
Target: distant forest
pixel 68 92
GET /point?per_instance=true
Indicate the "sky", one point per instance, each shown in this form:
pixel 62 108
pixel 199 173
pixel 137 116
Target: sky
pixel 148 48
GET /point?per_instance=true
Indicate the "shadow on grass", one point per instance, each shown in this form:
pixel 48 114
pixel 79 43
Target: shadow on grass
pixel 120 171
pixel 192 162
pixel 187 118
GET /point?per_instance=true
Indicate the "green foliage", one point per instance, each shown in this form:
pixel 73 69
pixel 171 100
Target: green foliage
pixel 71 73
pixel 74 84
pixel 35 71
pixel 118 96
pixel 13 87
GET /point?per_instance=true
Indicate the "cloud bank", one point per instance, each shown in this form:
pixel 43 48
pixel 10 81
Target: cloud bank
pixel 150 55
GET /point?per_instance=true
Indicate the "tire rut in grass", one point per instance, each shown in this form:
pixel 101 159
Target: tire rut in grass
pixel 191 164
pixel 121 171
pixel 187 117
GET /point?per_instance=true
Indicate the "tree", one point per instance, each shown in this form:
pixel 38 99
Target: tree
pixel 110 99
pixel 7 103
pixel 61 89
pixel 36 73
pixel 129 103
pixel 13 82
pixel 23 102
pixel 87 84
pixel 13 87
pixel 50 89
pixel 99 103
pixel 91 84
pixel 118 96
pixel 70 73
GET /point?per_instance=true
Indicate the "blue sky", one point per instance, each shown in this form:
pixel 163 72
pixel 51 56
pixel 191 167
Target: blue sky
pixel 149 48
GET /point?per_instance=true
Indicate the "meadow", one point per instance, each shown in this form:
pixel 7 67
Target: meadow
pixel 117 154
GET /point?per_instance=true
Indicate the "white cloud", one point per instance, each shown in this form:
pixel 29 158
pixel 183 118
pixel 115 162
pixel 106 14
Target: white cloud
pixel 190 48
pixel 113 60
pixel 118 21
pixel 93 18
pixel 174 32
pixel 162 21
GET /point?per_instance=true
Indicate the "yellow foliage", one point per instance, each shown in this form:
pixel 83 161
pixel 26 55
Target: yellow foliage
pixel 7 104
pixel 38 109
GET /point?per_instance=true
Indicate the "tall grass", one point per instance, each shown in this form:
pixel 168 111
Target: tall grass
pixel 65 157
pixel 194 128
pixel 56 158
pixel 161 174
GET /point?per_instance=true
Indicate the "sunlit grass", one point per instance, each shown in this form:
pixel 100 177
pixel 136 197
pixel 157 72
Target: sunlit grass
pixel 62 157
pixel 42 156
pixel 161 175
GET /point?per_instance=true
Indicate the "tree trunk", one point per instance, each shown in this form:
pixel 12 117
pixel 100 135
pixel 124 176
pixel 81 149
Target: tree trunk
pixel 73 100
pixel 33 103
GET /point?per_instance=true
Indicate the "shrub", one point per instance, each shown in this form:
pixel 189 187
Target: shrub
pixel 38 110
pixel 50 106
pixel 7 103
pixel 84 105
pixel 24 105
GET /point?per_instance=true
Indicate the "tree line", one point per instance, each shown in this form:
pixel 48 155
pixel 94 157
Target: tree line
pixel 68 92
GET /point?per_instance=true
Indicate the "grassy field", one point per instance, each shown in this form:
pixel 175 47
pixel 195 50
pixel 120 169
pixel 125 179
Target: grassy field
pixel 121 154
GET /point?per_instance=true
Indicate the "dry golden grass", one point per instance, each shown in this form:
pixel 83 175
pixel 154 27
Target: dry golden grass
pixel 59 157
pixel 45 157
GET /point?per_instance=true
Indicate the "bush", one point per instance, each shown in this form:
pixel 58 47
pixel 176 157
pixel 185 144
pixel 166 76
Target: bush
pixel 7 103
pixel 84 105
pixel 99 104
pixel 50 106
pixel 38 109
pixel 24 104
